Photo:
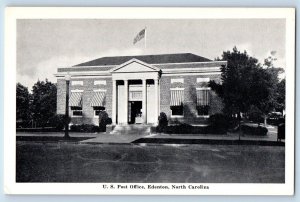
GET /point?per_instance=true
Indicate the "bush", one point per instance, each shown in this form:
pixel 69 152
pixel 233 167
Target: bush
pixel 103 121
pixel 58 121
pixel 162 122
pixel 87 128
pixel 179 129
pixel 255 115
pixel 253 130
pixel 219 123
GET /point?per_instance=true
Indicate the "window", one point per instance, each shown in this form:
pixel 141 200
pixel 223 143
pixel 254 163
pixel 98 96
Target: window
pixel 98 99
pixel 75 102
pixel 177 110
pixel 97 110
pixel 135 95
pixel 176 102
pixel 76 111
pixel 203 101
pixel 203 110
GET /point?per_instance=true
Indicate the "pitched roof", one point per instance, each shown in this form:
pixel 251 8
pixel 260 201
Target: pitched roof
pixel 150 59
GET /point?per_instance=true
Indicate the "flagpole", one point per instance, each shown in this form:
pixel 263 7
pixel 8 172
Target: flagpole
pixel 145 39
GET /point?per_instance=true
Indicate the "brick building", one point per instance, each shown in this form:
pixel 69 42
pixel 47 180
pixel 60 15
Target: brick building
pixel 135 89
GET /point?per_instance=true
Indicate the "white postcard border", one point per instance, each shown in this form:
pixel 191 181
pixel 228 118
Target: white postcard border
pixel 14 13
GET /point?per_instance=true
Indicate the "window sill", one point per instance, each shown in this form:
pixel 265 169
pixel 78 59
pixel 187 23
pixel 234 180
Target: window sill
pixel 76 116
pixel 202 116
pixel 177 116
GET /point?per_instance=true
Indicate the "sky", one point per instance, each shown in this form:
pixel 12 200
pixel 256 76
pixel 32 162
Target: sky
pixel 46 44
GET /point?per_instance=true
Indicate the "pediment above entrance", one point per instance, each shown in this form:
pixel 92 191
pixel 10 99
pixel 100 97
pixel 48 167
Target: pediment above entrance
pixel 134 66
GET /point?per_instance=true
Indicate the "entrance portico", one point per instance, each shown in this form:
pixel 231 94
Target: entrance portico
pixel 135 81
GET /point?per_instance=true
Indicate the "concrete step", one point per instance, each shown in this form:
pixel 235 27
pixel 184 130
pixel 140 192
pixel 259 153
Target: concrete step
pixel 131 129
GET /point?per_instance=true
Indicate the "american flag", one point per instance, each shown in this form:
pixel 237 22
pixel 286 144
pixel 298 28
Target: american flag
pixel 139 36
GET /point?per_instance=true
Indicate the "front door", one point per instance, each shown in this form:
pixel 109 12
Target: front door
pixel 135 112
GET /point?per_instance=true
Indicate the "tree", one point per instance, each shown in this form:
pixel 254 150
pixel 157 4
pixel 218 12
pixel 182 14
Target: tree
pixel 43 104
pixel 236 81
pixel 279 90
pixel 22 99
pixel 263 91
pixel 246 83
pixel 280 96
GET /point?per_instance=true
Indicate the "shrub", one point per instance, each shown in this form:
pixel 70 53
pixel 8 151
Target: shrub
pixel 103 120
pixel 58 121
pixel 162 122
pixel 254 130
pixel 182 128
pixel 88 128
pixel 219 123
pixel 255 115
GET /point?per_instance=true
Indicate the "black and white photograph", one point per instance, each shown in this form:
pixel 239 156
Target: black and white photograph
pixel 150 100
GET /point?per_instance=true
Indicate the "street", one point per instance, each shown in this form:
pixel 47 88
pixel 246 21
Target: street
pixel 72 162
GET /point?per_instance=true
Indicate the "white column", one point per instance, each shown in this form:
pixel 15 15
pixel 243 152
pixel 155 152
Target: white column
pixel 114 102
pixel 126 101
pixel 144 102
pixel 156 105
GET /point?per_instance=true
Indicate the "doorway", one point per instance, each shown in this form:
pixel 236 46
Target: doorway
pixel 135 112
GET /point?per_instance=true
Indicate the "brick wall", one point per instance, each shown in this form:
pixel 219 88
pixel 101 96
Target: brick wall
pixel 189 85
pixel 88 93
pixel 190 99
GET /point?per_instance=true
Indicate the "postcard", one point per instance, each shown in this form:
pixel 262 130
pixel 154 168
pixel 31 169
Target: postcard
pixel 149 101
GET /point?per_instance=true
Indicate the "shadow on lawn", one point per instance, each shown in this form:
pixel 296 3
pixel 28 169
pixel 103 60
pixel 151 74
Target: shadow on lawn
pixel 206 141
pixel 50 139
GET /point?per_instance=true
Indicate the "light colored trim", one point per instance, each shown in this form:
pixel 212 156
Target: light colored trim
pixel 135 75
pixel 204 88
pixel 176 88
pixel 136 61
pixel 77 83
pixel 74 73
pixel 64 67
pixel 177 80
pixel 194 69
pixel 164 71
pixel 202 116
pixel 202 80
pixel 83 73
pixel 86 77
pixel 177 116
pixel 191 74
pixel 76 115
pixel 221 62
pixel 99 90
pixel 76 91
pixel 96 116
pixel 99 82
pixel 171 71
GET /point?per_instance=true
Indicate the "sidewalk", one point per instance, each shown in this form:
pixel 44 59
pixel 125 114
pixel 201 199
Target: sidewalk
pixel 106 138
pixel 165 138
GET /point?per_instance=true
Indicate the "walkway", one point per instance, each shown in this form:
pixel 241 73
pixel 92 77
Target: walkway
pixel 99 138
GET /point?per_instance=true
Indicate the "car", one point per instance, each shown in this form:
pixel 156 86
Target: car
pixel 274 118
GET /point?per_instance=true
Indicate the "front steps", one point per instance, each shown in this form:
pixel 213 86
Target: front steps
pixel 133 129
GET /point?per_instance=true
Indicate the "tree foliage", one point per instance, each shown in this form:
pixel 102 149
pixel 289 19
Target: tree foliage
pixel 43 105
pixel 246 83
pixel 22 99
pixel 280 96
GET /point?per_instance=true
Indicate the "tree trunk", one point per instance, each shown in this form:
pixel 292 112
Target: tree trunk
pixel 240 128
pixel 265 120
